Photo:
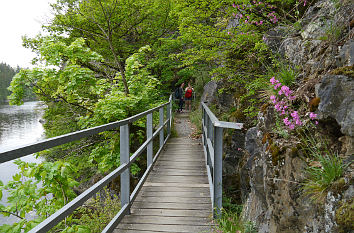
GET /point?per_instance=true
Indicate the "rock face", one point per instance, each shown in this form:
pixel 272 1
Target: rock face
pixel 275 201
pixel 346 54
pixel 270 174
pixel 210 92
pixel 337 101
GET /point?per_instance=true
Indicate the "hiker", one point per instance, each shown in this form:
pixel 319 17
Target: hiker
pixel 179 96
pixel 188 96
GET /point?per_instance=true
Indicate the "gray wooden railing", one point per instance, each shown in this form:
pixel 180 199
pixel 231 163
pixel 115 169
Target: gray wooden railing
pixel 213 150
pixel 123 170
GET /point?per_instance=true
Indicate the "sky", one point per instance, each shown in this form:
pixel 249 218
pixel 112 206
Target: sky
pixel 19 18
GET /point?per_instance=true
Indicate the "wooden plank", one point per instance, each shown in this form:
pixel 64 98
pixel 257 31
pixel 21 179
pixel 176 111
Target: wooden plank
pixel 171 205
pixel 174 194
pixel 167 220
pixel 138 231
pixel 171 166
pixel 182 159
pixel 171 184
pixel 175 199
pixel 181 179
pixel 167 172
pixel 178 178
pixel 170 212
pixel 164 228
pixel 181 163
pixel 173 189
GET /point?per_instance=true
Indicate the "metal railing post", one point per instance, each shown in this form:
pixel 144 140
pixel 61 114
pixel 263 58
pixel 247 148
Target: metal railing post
pixel 149 132
pixel 217 171
pixel 161 111
pixel 124 158
pixel 168 116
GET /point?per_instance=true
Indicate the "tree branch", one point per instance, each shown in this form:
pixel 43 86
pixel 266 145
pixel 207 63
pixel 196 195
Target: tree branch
pixel 8 212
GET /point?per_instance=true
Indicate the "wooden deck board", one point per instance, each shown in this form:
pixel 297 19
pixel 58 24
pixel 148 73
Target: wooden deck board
pixel 176 196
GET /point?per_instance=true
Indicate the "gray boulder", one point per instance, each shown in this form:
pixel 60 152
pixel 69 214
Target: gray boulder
pixel 346 54
pixel 210 92
pixel 337 101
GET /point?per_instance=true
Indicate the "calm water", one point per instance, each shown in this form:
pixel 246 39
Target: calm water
pixel 19 125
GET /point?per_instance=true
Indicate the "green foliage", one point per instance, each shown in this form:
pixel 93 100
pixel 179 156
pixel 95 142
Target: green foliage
pixel 196 120
pixel 97 213
pixel 324 169
pixel 30 189
pixel 322 173
pixel 6 75
pixel 232 222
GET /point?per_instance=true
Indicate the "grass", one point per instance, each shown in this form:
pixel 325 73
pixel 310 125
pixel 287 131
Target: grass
pixel 196 119
pixel 323 172
pixel 231 220
pixel 324 169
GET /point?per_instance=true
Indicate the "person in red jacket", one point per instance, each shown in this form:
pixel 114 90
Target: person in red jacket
pixel 188 96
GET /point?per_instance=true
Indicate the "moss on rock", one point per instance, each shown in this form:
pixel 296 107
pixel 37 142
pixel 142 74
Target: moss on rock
pixel 344 216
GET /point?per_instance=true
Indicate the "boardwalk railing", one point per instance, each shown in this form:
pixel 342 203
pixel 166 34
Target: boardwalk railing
pixel 213 150
pixel 123 170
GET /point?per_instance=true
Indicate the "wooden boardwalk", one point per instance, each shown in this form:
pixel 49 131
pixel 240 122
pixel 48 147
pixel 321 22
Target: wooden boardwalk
pixel 176 196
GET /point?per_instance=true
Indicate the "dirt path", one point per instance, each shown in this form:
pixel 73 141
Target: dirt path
pixel 183 125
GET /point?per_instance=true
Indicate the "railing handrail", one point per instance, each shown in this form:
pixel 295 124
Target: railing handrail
pixel 22 151
pixel 212 138
pixel 123 169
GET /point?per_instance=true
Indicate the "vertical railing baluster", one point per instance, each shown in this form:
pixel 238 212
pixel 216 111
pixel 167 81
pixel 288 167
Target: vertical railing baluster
pixel 124 158
pixel 217 171
pixel 149 133
pixel 168 116
pixel 161 111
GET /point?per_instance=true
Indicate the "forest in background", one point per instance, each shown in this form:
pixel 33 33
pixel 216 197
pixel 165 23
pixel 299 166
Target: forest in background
pixel 6 75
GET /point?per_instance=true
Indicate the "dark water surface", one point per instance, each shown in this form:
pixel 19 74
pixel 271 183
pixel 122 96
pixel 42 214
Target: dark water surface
pixel 19 125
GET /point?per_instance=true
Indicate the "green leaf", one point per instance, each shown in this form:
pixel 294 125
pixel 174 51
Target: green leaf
pixel 16 177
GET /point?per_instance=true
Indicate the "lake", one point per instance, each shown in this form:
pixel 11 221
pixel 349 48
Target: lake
pixel 19 125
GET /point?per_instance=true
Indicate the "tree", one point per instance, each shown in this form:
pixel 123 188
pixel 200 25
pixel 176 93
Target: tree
pixel 6 74
pixel 114 28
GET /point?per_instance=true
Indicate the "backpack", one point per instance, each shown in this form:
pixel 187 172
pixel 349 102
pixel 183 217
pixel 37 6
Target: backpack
pixel 178 93
pixel 188 93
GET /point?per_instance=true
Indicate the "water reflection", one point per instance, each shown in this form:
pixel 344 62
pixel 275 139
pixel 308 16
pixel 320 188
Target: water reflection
pixel 19 125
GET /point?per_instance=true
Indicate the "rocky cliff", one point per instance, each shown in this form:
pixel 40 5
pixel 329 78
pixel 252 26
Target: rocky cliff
pixel 269 170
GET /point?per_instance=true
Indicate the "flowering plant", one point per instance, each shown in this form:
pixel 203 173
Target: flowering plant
pixel 282 102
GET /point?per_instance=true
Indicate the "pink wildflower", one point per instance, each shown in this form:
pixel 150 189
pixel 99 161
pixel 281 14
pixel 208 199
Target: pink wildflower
pixel 292 126
pixel 286 121
pixel 277 86
pixel 312 115
pixel 286 90
pixel 273 99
